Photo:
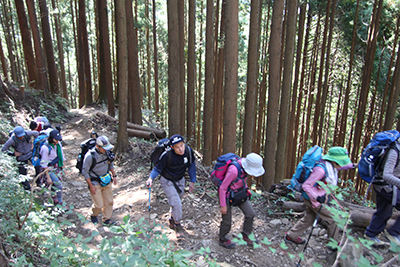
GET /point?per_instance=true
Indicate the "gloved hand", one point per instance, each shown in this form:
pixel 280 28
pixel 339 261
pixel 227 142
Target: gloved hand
pixel 321 199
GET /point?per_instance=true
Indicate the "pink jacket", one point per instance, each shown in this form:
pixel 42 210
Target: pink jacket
pixel 230 176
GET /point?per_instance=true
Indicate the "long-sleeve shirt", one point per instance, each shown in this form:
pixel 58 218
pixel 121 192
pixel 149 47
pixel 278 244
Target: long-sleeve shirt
pixel 391 172
pixel 102 166
pixel 170 162
pixel 230 176
pixel 24 145
pixel 48 154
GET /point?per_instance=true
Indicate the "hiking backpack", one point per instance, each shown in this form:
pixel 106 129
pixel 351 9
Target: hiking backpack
pixel 85 147
pixel 374 155
pixel 37 145
pixel 221 166
pixel 310 160
pixel 162 146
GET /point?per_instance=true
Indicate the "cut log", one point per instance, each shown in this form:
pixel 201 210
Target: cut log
pixel 160 134
pixel 359 215
pixel 157 133
pixel 141 134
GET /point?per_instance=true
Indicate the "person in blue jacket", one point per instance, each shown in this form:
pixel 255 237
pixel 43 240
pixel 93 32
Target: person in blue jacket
pixel 172 167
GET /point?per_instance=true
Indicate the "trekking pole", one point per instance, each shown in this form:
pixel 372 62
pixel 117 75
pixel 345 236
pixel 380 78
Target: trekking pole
pixel 313 226
pixel 149 202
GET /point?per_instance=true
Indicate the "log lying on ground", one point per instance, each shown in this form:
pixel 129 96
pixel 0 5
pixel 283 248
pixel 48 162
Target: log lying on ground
pixel 141 134
pixel 136 130
pixel 360 216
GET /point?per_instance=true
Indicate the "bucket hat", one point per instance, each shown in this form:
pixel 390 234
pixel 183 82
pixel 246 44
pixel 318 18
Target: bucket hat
pixel 253 165
pixel 104 143
pixel 19 131
pixel 338 154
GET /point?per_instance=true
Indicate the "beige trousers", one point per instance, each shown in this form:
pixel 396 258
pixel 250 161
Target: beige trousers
pixel 103 201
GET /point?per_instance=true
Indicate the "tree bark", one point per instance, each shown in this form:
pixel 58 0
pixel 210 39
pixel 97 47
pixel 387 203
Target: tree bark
pixel 48 47
pixel 85 52
pixel 174 96
pixel 273 93
pixel 122 73
pixel 286 90
pixel 252 74
pixel 208 80
pixel 155 58
pixel 191 73
pixel 231 76
pixel 42 83
pixel 26 43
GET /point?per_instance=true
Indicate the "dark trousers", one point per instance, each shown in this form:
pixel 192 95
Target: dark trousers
pixel 383 213
pixel 24 171
pixel 226 222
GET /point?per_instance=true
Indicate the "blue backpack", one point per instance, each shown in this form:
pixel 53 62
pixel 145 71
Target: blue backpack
pixel 374 155
pixel 37 144
pixel 310 160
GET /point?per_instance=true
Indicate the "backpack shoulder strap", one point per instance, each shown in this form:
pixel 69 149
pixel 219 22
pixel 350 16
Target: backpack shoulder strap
pixel 239 168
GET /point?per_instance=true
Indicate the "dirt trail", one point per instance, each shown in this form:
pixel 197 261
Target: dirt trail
pixel 201 210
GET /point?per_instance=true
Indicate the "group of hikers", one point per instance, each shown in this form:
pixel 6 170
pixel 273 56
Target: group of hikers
pixel 98 171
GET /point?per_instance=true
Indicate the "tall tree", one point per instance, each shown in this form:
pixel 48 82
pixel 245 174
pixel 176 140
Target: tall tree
pixel 26 43
pixel 155 58
pixel 366 80
pixel 208 84
pixel 122 73
pixel 273 93
pixel 3 63
pixel 231 75
pixel 251 83
pixel 42 82
pixel 393 96
pixel 5 21
pixel 85 52
pixel 286 90
pixel 174 102
pixel 60 46
pixel 191 72
pixel 48 47
pixel 181 43
pixel 134 87
pixel 106 94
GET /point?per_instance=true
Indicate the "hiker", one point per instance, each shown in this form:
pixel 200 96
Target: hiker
pixel 97 165
pixel 172 167
pixel 39 124
pixel 387 197
pixel 315 196
pixel 21 141
pixel 251 167
pixel 52 160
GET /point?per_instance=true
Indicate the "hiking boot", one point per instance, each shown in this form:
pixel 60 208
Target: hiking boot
pixel 297 241
pixel 179 231
pixel 94 219
pixel 171 222
pixel 248 241
pixel 227 244
pixel 109 223
pixel 392 238
pixel 377 243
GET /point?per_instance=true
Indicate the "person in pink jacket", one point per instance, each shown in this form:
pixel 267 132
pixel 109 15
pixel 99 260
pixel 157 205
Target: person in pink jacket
pixel 315 196
pixel 250 166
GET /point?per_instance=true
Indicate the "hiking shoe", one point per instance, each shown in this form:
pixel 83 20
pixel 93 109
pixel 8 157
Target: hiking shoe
pixel 297 241
pixel 94 219
pixel 377 243
pixel 227 244
pixel 179 231
pixel 248 241
pixel 109 223
pixel 171 223
pixel 392 238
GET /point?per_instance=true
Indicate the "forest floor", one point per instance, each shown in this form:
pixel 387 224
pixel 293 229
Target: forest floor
pixel 201 211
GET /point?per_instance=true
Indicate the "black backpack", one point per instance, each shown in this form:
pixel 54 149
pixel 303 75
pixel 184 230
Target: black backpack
pixel 85 147
pixel 164 145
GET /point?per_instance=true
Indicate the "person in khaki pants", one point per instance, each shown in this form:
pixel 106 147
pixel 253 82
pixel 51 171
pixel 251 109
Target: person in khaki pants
pixel 97 165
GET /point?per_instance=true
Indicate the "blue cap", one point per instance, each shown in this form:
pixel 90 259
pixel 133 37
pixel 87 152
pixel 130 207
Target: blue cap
pixel 19 131
pixel 175 139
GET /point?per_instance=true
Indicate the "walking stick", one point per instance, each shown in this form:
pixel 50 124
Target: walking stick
pixel 149 203
pixel 313 226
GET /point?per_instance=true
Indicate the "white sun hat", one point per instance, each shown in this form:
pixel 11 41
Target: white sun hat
pixel 253 165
